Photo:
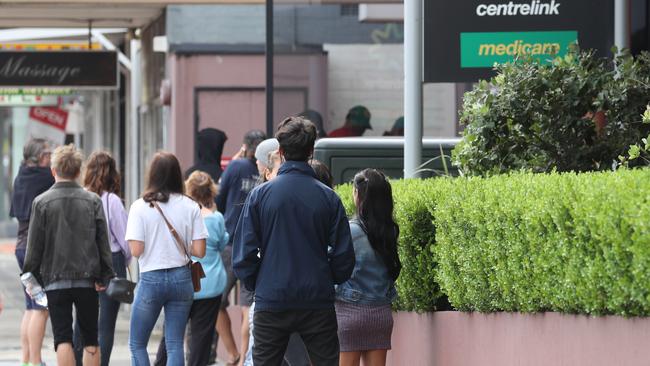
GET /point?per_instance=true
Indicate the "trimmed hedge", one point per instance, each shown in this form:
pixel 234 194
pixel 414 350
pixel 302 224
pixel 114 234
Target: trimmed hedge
pixel 572 243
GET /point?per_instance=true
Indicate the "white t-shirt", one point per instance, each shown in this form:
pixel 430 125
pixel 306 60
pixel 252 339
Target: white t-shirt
pixel 146 224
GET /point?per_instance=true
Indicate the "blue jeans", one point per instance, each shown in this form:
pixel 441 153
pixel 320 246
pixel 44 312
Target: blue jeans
pixel 108 309
pixel 172 290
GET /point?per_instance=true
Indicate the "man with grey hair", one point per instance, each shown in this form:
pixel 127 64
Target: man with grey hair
pixel 264 149
pixel 34 177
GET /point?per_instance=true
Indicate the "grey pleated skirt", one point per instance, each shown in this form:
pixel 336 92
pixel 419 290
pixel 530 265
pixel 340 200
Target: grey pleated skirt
pixel 364 327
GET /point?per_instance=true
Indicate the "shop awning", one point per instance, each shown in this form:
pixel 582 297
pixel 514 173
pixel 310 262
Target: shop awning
pixel 107 13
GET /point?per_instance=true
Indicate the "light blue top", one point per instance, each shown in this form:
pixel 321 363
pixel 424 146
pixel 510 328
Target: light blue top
pixel 213 283
pixel 370 283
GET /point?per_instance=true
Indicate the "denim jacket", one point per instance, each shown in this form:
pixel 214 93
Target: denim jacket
pixel 370 283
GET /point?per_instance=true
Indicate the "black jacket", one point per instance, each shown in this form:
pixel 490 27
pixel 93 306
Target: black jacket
pixel 210 143
pixel 68 237
pixel 29 183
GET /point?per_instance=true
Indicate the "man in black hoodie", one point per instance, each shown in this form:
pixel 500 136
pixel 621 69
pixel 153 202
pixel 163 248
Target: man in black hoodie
pixel 210 142
pixel 34 178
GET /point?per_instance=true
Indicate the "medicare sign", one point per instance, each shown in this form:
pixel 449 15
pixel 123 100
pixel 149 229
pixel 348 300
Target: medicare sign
pixel 464 39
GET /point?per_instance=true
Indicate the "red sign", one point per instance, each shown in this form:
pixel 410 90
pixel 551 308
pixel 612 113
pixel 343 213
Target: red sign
pixel 52 116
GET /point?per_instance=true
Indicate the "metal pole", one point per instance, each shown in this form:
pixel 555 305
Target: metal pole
pixel 132 148
pixel 269 67
pixel 621 24
pixel 412 87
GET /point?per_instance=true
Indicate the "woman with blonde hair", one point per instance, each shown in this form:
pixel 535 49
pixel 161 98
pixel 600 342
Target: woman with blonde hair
pixel 101 177
pixel 165 276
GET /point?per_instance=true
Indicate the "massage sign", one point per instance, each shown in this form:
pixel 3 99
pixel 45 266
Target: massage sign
pixel 464 39
pixel 77 69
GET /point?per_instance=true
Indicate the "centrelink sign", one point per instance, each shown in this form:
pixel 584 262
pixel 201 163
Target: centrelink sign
pixel 536 7
pixel 464 39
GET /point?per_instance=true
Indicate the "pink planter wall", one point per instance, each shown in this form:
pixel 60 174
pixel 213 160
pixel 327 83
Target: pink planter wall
pixel 504 339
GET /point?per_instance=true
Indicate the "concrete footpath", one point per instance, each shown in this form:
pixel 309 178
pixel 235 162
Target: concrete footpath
pixel 14 307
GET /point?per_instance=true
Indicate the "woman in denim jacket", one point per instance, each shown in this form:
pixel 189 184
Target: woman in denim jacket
pixel 363 303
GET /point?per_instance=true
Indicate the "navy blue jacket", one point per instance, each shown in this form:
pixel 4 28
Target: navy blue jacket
pixel 237 181
pixel 30 182
pixel 298 227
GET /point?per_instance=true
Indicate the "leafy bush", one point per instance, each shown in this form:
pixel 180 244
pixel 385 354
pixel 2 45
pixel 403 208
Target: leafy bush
pixel 573 243
pixel 578 113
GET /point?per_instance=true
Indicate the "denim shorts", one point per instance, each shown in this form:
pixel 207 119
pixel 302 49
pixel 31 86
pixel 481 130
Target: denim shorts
pixel 30 304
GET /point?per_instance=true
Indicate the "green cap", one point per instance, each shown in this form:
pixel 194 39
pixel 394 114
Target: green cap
pixel 359 116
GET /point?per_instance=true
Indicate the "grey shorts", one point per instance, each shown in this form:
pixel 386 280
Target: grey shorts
pixel 245 296
pixel 226 257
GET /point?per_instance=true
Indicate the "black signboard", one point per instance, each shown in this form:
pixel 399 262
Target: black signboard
pixel 463 39
pixel 79 69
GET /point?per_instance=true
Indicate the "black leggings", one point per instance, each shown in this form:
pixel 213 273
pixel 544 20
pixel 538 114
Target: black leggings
pixel 203 318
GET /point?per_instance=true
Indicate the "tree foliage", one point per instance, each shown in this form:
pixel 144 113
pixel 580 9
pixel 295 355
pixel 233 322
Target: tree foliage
pixel 578 113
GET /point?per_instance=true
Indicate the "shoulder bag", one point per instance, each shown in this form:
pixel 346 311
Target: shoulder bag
pixel 118 289
pixel 195 267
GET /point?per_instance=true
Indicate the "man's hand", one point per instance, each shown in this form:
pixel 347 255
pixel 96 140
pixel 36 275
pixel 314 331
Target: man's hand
pixel 99 287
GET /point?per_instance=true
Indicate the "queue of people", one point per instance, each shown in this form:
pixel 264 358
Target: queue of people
pixel 316 287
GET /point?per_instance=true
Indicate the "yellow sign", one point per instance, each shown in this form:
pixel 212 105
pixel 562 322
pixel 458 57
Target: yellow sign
pixel 58 46
pixel 35 91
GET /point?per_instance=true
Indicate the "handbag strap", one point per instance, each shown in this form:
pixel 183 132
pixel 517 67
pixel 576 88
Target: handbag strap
pixel 177 238
pixel 110 228
pixel 108 217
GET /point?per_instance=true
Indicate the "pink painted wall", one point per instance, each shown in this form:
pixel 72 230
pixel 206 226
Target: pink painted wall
pixel 232 71
pixel 188 72
pixel 511 339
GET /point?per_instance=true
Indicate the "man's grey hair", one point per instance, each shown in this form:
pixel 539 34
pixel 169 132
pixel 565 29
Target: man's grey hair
pixel 34 149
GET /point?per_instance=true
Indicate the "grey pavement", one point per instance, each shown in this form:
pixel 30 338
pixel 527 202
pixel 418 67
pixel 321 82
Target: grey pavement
pixel 14 307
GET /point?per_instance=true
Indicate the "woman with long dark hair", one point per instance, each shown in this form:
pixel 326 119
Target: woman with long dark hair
pixel 363 303
pixel 165 277
pixel 101 177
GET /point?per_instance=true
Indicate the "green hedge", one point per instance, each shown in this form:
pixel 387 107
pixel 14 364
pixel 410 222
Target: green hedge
pixel 573 243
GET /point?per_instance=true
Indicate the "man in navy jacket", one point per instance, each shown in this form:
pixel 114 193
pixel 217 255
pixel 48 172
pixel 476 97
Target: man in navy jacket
pixel 292 245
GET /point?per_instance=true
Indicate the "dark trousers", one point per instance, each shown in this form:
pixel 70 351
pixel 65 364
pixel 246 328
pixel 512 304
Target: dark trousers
pixel 317 328
pixel 203 318
pixel 86 307
pixel 108 309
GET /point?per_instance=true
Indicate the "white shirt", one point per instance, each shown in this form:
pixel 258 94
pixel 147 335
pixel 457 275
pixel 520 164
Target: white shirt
pixel 147 225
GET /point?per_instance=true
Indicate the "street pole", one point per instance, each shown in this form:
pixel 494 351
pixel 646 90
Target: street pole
pixel 412 87
pixel 133 132
pixel 269 67
pixel 621 24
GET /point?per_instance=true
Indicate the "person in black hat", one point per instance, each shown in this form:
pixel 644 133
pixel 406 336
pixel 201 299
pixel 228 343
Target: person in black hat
pixel 210 142
pixel 357 122
pixel 315 118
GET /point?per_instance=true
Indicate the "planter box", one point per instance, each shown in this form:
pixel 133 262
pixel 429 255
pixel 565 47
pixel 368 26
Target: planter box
pixel 504 339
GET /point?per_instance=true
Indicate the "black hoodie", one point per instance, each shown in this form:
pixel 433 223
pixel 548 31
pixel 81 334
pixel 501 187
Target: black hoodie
pixel 210 145
pixel 30 182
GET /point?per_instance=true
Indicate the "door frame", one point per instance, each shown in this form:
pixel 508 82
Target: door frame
pixel 198 89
